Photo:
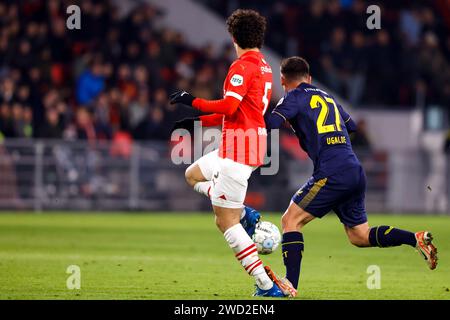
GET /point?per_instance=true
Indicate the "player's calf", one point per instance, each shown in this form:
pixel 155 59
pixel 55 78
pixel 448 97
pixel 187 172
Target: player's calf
pixel 359 235
pixel 292 243
pixel 245 250
pixel 380 236
pixel 386 236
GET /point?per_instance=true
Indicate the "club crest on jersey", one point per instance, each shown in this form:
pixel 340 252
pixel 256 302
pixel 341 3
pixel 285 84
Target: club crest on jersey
pixel 237 80
pixel 266 69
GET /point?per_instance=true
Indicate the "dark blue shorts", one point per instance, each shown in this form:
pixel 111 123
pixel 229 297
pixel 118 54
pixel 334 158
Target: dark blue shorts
pixel 342 192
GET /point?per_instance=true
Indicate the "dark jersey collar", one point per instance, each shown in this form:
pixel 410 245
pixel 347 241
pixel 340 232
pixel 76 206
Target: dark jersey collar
pixel 304 85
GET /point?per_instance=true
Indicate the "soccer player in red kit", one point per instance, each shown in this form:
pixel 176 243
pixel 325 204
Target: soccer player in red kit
pixel 222 175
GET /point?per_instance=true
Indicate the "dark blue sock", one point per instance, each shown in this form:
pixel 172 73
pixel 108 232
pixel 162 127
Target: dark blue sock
pixel 385 236
pixel 292 248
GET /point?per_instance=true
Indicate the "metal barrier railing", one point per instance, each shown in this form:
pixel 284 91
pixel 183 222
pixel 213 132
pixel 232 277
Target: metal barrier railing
pixel 78 175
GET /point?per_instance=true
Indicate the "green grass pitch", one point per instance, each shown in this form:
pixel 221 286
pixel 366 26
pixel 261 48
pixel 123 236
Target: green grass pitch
pixel 184 256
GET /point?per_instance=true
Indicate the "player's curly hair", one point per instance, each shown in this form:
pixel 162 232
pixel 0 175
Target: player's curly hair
pixel 247 27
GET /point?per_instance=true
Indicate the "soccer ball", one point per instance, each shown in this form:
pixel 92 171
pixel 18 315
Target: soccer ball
pixel 267 237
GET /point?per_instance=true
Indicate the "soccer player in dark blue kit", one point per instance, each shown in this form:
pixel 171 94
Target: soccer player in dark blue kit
pixel 338 183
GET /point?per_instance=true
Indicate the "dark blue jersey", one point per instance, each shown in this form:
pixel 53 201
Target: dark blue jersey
pixel 321 125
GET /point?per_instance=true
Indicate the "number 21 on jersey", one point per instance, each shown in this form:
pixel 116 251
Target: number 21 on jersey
pixel 318 101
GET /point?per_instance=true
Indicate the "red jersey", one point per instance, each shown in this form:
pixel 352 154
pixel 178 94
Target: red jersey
pixel 244 135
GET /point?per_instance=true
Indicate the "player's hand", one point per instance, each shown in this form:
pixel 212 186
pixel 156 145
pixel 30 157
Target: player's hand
pixel 182 97
pixel 187 123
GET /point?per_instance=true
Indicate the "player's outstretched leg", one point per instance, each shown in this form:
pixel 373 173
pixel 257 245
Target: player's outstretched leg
pixel 387 236
pixel 227 221
pixel 200 180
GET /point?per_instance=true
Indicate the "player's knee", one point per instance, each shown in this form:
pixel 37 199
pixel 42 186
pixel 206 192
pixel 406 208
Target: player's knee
pixel 219 223
pixel 291 222
pixel 359 240
pixel 188 175
pixel 224 222
pixel 285 220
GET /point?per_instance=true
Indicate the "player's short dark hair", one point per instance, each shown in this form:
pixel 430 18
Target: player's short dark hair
pixel 294 68
pixel 247 27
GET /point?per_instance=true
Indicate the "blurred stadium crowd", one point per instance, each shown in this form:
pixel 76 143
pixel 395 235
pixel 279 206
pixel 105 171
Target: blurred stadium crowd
pixel 111 79
pixel 407 60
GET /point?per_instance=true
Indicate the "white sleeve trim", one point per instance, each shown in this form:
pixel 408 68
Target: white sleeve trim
pixel 234 95
pixel 276 112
